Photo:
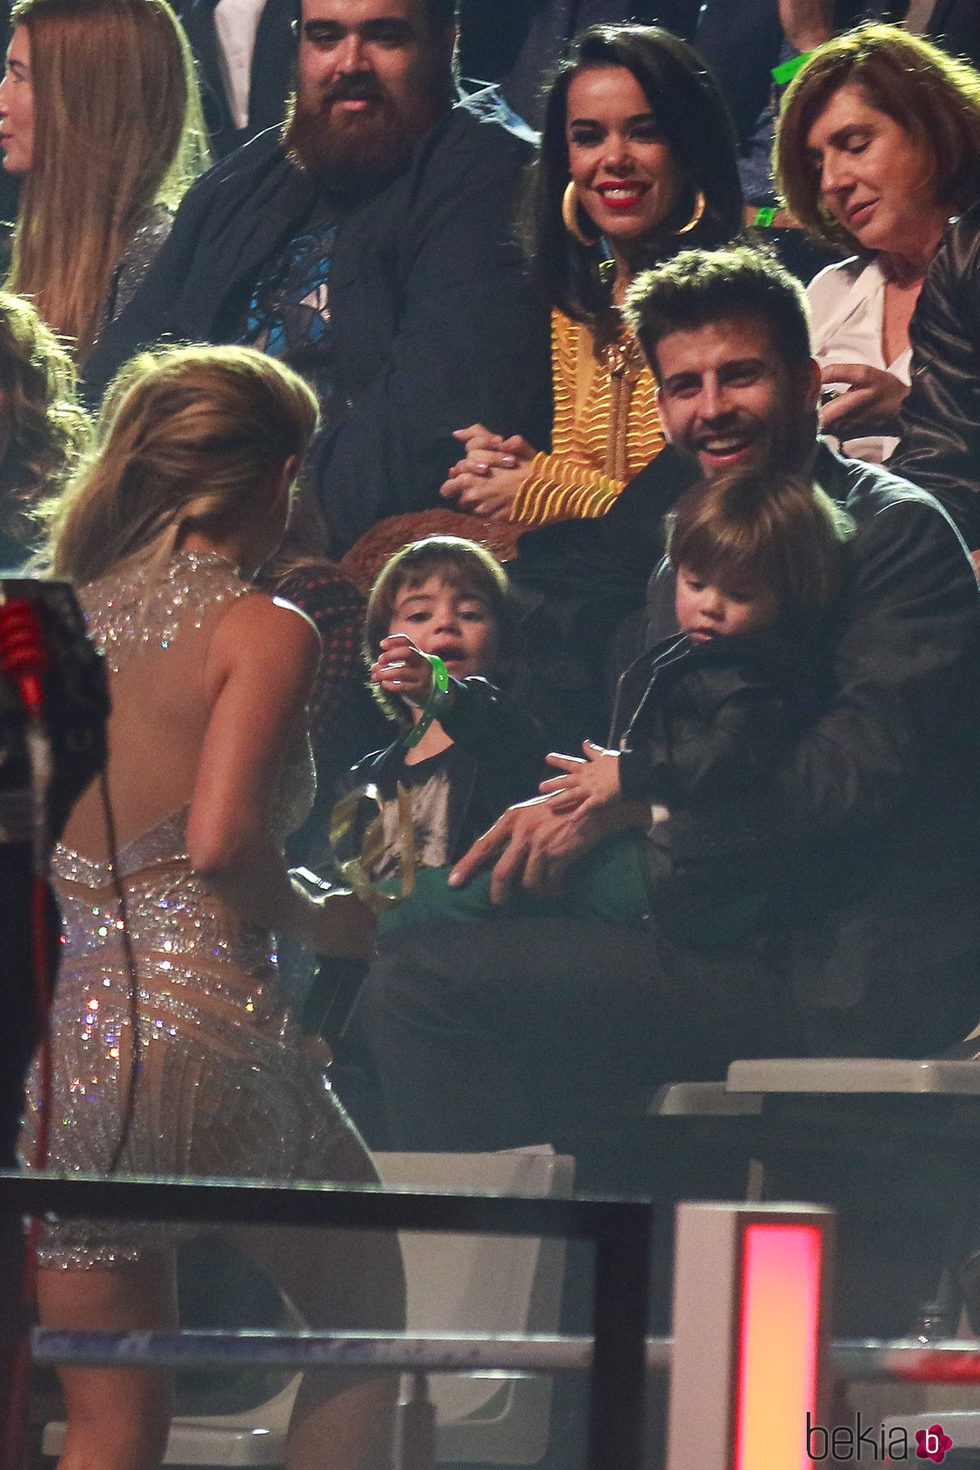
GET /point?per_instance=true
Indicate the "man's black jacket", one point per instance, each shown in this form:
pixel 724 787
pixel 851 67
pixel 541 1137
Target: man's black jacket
pixel 433 324
pixel 875 816
pixel 940 444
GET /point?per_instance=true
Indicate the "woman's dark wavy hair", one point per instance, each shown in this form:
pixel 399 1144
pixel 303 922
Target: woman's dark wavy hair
pixel 690 109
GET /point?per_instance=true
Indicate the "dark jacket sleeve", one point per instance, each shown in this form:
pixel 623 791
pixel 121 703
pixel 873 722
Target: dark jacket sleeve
pixel 724 727
pixel 940 421
pixel 435 329
pixel 498 731
pixel 504 747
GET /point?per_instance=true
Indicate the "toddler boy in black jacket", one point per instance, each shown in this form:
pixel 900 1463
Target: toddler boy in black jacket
pixel 759 562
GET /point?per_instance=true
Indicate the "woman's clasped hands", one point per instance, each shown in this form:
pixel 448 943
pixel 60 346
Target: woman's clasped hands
pixel 493 469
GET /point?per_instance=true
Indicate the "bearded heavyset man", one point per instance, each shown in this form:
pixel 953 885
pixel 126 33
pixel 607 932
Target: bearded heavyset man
pixel 371 246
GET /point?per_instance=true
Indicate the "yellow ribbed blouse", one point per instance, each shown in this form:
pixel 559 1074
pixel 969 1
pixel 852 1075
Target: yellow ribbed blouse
pixel 606 428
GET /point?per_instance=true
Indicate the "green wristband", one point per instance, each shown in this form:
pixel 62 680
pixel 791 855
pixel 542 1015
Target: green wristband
pixel 436 702
pixel 765 216
pixel 786 70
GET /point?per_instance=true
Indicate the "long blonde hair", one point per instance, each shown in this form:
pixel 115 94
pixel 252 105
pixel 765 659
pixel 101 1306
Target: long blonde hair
pixel 118 128
pixel 190 438
pixel 48 428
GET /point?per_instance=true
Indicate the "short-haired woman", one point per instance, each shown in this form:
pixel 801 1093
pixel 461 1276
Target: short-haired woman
pixel 878 144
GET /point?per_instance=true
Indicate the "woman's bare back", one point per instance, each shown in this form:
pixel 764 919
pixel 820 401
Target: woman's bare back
pixel 156 634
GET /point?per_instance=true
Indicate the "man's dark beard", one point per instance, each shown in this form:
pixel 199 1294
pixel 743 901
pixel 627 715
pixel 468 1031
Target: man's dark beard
pixel 343 150
pixel 789 444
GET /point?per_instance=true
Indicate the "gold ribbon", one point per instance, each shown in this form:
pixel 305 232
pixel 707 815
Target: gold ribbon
pixel 356 871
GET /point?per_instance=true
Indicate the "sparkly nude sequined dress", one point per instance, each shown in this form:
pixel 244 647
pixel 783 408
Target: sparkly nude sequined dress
pixel 225 1088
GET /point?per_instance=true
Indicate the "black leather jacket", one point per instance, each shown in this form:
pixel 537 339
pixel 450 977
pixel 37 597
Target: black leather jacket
pixel 504 748
pixel 940 445
pixel 871 823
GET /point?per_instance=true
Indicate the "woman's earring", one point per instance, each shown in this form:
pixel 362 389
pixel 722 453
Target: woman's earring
pixel 569 216
pixel 695 220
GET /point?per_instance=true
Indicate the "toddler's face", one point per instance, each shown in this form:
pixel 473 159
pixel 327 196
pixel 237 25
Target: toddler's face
pixel 707 610
pixel 446 620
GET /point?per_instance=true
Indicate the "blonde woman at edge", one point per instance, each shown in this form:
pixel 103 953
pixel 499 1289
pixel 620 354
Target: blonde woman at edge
pixel 100 116
pixel 187 494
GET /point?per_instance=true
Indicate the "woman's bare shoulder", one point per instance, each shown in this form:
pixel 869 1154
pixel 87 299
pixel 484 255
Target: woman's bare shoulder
pixel 263 630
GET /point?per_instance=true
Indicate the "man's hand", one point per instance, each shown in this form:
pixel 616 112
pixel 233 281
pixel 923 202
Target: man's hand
pixel 870 404
pixel 586 784
pixel 535 844
pixel 402 669
pixel 806 23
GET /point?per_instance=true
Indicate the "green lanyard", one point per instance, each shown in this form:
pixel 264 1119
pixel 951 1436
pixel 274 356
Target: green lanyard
pixel 434 705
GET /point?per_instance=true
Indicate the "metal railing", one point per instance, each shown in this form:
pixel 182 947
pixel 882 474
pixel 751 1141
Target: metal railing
pixel 618 1229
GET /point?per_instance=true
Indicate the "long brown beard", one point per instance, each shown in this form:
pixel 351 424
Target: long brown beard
pixel 342 150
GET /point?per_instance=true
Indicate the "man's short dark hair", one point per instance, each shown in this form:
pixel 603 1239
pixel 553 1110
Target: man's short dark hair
pixel 699 287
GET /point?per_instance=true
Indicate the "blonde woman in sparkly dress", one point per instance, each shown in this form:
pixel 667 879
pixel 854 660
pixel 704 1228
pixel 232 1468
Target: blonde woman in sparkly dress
pixel 209 767
pixel 637 161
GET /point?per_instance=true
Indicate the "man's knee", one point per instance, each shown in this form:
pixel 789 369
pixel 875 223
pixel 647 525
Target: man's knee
pixel 435 975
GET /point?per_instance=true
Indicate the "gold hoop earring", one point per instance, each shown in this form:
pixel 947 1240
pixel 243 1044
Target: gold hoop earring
pixel 569 216
pixel 699 208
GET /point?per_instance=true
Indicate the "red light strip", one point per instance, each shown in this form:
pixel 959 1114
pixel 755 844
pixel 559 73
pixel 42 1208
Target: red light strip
pixel 778 1345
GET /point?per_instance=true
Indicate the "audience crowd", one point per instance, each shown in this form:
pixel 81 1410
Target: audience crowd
pixel 716 554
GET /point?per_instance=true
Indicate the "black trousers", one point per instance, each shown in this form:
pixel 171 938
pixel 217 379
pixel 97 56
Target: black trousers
pixel 505 1032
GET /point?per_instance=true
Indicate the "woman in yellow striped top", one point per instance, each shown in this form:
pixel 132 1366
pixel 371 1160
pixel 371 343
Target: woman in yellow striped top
pixel 637 162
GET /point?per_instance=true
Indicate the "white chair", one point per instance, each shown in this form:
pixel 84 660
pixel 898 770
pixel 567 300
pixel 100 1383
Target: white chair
pixel 475 1283
pixel 892 1134
pixel 482 1283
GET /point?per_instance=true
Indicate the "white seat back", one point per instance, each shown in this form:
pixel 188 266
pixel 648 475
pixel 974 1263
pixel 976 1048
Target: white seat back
pixel 485 1283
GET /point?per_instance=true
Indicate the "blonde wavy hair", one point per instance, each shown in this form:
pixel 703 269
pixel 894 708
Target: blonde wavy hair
pixel 47 427
pixel 934 98
pixel 118 128
pixel 189 439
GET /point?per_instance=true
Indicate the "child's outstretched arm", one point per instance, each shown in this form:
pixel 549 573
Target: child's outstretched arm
pixel 402 669
pixel 592 782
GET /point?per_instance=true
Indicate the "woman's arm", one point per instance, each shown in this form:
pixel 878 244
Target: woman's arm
pixel 572 482
pixel 257 677
pixel 507 480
